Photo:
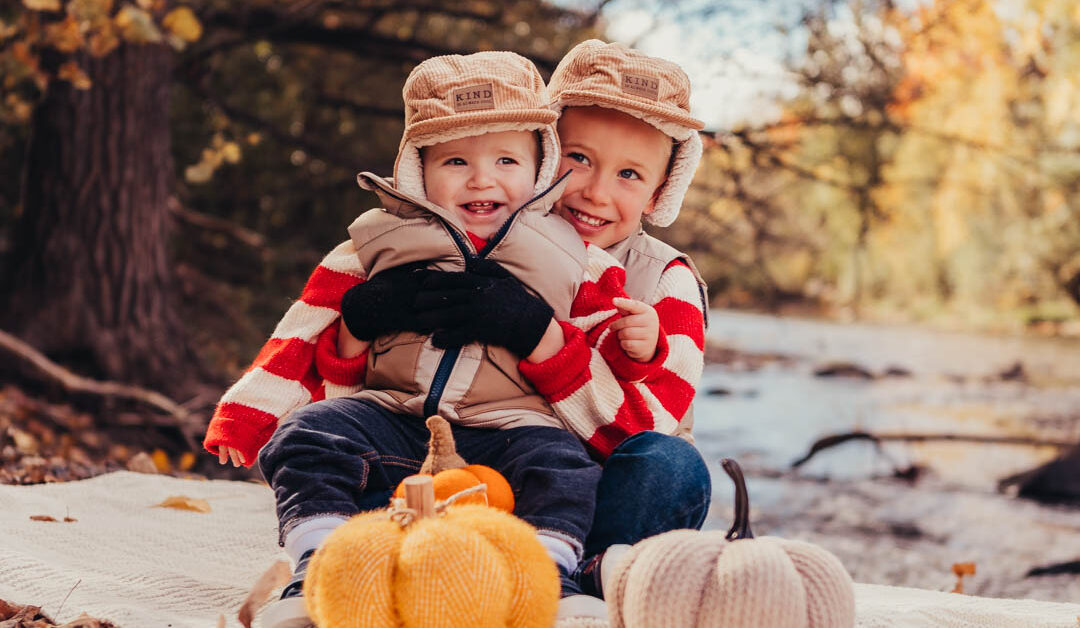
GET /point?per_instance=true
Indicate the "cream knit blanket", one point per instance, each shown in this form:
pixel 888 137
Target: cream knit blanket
pixel 146 567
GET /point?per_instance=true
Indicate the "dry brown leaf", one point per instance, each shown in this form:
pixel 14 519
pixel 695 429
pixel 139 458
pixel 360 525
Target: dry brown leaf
pixel 42 518
pixel 961 570
pixel 70 519
pixel 142 463
pixel 276 576
pixel 181 502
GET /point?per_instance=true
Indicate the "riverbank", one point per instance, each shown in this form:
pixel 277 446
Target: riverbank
pixel 764 401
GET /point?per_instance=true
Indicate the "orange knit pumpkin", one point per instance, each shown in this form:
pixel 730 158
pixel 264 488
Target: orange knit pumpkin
pixel 451 474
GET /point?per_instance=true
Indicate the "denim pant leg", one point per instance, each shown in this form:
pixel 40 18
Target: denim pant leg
pixel 553 478
pixel 339 456
pixel 651 483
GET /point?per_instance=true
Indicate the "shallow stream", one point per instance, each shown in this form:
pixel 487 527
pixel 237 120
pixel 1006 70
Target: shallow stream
pixel 763 405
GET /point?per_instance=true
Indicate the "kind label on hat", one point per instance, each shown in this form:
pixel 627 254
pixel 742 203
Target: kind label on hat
pixel 474 98
pixel 641 85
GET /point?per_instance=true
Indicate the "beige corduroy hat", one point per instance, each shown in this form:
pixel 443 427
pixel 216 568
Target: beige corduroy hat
pixel 657 91
pixel 455 96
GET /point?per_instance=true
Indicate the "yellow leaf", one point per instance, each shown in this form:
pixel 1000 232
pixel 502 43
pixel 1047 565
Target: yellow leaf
pixel 181 502
pixel 65 36
pixel 42 5
pixel 137 26
pixel 182 22
pixel 199 173
pixel 90 10
pixel 71 72
pixel 161 461
pixel 231 152
pixel 187 460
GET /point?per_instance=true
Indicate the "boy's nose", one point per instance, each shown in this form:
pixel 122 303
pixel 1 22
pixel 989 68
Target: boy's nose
pixel 596 191
pixel 480 178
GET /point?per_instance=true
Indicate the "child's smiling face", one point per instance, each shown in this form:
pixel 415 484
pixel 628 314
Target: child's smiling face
pixel 619 164
pixel 482 179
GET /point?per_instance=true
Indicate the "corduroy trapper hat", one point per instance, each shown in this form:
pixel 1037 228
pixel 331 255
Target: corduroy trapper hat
pixel 657 91
pixel 455 96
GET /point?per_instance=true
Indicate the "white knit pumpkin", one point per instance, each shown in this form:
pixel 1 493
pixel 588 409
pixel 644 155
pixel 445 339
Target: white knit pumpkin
pixel 692 579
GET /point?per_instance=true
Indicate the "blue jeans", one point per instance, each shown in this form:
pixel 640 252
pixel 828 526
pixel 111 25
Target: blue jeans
pixel 651 483
pixel 343 456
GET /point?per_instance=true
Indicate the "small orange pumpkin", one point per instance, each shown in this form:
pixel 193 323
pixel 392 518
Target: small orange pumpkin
pixel 451 474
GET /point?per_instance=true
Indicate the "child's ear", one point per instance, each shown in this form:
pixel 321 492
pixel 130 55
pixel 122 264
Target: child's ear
pixel 652 199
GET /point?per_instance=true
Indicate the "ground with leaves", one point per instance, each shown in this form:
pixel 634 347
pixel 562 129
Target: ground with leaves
pixel 16 616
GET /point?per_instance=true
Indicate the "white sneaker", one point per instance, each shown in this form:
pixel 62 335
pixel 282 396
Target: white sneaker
pixel 287 613
pixel 582 607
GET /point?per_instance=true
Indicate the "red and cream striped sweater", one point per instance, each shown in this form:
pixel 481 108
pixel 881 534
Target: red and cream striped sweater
pixel 602 395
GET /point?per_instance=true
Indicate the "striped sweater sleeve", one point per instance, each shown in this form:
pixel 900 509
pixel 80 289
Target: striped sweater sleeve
pixel 297 365
pixel 598 392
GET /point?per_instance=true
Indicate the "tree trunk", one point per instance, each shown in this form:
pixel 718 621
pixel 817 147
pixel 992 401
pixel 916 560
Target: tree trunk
pixel 90 278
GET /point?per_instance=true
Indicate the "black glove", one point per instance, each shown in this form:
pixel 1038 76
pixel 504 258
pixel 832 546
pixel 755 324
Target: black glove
pixel 384 303
pixel 484 304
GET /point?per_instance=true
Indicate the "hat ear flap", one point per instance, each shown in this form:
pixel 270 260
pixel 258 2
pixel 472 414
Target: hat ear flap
pixel 673 191
pixel 409 170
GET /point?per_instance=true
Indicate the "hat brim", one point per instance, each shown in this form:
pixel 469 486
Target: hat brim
pixel 572 97
pixel 419 133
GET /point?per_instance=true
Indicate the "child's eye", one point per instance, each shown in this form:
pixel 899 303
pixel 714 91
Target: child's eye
pixel 578 157
pixel 628 173
pixel 507 161
pixel 454 161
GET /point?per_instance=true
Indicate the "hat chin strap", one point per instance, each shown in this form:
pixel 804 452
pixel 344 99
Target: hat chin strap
pixel 670 200
pixel 409 169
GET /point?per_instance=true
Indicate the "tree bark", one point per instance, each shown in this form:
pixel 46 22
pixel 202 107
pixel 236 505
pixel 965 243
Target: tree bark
pixel 90 277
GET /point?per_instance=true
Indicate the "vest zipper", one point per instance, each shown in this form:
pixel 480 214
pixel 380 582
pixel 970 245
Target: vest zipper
pixel 438 384
pixel 449 358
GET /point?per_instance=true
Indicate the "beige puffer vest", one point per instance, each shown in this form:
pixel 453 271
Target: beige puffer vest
pixel 476 385
pixel 645 258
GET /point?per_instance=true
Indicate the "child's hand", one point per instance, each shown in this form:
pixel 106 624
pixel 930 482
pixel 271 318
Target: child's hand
pixel 638 329
pixel 225 454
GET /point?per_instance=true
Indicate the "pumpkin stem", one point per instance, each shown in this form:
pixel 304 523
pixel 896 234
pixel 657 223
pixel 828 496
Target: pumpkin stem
pixel 442 452
pixel 740 527
pixel 420 495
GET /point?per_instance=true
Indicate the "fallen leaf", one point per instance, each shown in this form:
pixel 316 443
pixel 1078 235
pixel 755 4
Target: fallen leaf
pixel 961 570
pixel 187 460
pixel 42 518
pixel 142 463
pixel 161 461
pixel 181 502
pixel 276 576
pixel 70 519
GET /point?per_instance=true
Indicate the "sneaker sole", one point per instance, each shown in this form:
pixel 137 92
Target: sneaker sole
pixel 287 613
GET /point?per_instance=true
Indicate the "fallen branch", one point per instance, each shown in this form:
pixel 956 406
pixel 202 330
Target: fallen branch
pixel 77 383
pixel 833 440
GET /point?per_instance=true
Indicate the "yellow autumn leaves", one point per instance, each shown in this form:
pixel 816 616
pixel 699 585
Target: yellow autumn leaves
pixel 94 26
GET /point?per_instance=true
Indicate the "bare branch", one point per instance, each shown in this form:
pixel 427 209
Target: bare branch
pixel 833 440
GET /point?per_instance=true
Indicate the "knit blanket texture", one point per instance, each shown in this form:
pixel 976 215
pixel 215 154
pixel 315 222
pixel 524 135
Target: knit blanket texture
pixel 141 566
